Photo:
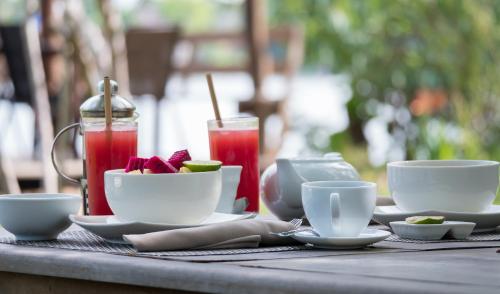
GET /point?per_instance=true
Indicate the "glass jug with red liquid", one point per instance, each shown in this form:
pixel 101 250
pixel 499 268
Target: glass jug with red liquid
pixel 102 151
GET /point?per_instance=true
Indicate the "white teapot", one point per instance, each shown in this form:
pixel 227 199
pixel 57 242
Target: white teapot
pixel 281 182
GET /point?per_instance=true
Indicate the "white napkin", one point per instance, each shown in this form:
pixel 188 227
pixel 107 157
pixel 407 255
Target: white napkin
pixel 249 233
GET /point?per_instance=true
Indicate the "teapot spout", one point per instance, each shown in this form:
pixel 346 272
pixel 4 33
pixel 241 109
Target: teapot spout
pixel 289 182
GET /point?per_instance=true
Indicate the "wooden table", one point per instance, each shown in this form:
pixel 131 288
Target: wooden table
pixel 45 270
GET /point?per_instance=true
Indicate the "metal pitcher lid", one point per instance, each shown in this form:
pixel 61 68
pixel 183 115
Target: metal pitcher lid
pixel 120 106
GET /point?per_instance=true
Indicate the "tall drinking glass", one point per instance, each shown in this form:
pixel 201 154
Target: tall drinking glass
pixel 236 142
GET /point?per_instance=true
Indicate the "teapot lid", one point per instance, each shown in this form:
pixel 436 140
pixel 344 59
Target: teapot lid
pixel 94 106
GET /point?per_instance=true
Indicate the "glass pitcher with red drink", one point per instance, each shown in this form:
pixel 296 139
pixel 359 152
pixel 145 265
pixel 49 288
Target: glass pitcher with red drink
pixel 235 141
pixel 102 150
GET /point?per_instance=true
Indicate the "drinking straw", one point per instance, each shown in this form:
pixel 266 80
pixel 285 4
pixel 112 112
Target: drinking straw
pixel 107 102
pixel 214 100
pixel 108 114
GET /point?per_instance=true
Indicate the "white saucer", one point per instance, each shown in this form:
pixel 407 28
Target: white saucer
pixel 111 229
pixel 487 220
pixel 367 237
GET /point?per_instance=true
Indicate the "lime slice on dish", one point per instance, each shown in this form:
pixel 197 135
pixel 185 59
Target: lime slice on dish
pixel 425 220
pixel 202 165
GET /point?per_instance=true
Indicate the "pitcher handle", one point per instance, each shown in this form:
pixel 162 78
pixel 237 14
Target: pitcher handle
pixel 53 154
pixel 335 211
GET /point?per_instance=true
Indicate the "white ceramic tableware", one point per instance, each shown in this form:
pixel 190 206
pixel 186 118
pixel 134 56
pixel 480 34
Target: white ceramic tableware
pixel 112 229
pixel 445 185
pixel 486 221
pixel 230 182
pixel 37 216
pixel 367 237
pixel 280 185
pixel 181 198
pixel 455 230
pixel 339 208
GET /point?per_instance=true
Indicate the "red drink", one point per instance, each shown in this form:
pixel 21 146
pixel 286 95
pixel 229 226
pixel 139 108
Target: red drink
pixel 239 146
pixel 103 154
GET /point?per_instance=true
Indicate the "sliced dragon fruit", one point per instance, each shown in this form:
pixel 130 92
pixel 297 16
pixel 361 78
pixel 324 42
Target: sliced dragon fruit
pixel 178 158
pixel 135 163
pixel 159 166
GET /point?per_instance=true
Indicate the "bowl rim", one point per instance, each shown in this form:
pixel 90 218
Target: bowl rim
pixel 122 172
pixel 39 197
pixel 440 164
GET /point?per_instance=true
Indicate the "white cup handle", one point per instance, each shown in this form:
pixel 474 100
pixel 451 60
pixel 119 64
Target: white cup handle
pixel 335 211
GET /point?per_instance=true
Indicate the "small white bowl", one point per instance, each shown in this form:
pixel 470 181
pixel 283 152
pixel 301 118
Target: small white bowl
pixel 453 229
pixel 181 198
pixel 443 185
pixel 37 216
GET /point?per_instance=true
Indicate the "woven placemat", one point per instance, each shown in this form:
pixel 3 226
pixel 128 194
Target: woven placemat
pixel 472 238
pixel 86 241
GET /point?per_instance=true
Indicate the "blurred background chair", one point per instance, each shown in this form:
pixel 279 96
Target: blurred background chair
pixel 21 47
pixel 149 54
pixel 63 71
pixel 269 51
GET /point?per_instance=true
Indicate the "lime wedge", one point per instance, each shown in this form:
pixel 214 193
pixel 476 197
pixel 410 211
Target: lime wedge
pixel 425 220
pixel 202 165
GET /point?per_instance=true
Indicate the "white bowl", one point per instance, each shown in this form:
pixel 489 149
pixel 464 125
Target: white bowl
pixel 181 198
pixel 37 216
pixel 444 185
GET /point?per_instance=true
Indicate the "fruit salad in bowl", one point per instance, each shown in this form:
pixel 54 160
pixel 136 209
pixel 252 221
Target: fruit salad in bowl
pixel 174 191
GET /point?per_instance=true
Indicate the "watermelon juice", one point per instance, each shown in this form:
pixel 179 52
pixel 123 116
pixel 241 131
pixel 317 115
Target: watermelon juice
pixel 104 152
pixel 237 143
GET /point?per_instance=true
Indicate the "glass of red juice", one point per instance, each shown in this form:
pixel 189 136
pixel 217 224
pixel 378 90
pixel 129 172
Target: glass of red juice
pixel 105 150
pixel 235 141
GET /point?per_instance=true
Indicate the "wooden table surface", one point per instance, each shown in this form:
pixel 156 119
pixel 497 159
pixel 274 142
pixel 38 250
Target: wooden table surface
pixel 45 270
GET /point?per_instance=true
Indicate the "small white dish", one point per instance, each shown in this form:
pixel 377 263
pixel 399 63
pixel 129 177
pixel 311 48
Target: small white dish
pixel 485 221
pixel 367 237
pixel 181 198
pixel 111 228
pixel 452 229
pixel 37 216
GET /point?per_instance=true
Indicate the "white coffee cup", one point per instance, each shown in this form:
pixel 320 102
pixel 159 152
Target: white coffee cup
pixel 339 208
pixel 230 182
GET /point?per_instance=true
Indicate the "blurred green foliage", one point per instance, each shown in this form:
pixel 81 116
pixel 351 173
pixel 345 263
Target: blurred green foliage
pixel 429 67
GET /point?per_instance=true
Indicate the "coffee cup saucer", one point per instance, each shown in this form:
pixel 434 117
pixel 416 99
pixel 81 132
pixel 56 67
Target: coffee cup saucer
pixel 486 221
pixel 367 237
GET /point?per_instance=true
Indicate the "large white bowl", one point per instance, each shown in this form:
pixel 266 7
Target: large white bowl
pixel 37 216
pixel 444 185
pixel 181 198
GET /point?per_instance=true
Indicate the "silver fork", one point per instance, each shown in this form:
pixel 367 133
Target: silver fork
pixel 296 224
pixel 293 232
